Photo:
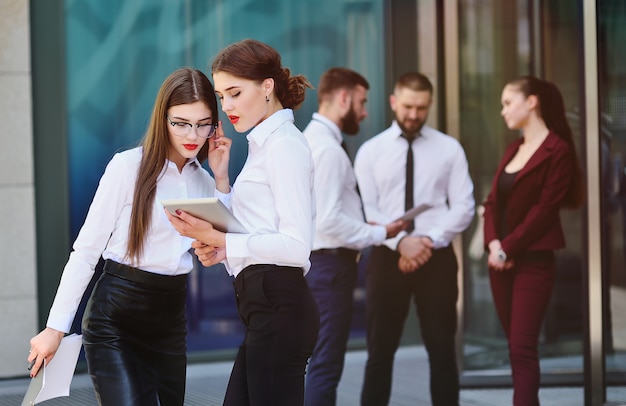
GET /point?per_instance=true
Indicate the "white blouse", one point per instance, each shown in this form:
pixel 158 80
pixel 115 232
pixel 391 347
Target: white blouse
pixel 105 230
pixel 273 198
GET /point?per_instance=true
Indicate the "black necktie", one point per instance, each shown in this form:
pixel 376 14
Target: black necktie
pixel 408 189
pixel 345 148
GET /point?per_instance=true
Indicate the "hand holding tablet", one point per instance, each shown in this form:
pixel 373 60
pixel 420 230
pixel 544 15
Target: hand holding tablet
pixel 210 209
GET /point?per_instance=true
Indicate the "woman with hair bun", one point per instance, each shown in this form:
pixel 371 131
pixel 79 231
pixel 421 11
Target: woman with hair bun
pixel 538 176
pixel 273 198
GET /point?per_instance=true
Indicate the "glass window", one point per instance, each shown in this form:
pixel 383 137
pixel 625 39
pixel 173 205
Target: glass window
pixel 119 52
pixel 492 50
pixel 497 44
pixel 612 82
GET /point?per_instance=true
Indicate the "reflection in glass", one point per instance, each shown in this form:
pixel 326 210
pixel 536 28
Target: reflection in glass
pixel 612 78
pixel 496 42
pixel 118 54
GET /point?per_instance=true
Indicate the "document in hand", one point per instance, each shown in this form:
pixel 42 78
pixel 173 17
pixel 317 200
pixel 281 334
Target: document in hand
pixel 412 213
pixel 54 379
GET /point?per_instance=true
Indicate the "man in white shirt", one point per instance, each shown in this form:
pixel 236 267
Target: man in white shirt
pixel 340 229
pixel 419 263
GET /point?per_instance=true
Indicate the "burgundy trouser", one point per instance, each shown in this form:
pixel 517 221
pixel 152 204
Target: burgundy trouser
pixel 521 296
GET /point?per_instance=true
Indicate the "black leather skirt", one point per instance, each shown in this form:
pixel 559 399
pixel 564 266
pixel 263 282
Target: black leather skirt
pixel 134 335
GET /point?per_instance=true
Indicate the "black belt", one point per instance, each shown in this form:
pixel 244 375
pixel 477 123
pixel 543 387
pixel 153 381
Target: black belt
pixel 144 277
pixel 342 252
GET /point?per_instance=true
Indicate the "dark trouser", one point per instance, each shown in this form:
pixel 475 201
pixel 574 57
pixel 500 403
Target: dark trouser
pixel 282 322
pixel 521 296
pixel 332 280
pixel 434 290
pixel 134 334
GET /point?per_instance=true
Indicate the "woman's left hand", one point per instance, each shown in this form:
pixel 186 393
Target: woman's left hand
pixel 495 263
pixel 198 229
pixel 207 254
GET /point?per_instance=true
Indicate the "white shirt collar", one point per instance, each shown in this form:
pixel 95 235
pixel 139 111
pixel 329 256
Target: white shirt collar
pixel 265 128
pixel 334 128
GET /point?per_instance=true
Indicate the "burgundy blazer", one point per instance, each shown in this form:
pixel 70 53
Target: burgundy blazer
pixel 539 189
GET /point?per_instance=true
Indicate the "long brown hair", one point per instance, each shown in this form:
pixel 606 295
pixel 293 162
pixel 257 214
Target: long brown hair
pixel 183 86
pixel 551 109
pixel 253 60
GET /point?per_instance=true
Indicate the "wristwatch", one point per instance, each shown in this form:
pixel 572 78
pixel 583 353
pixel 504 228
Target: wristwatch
pixel 501 255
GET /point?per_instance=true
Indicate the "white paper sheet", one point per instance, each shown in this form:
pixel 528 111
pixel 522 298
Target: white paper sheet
pixel 55 378
pixel 412 213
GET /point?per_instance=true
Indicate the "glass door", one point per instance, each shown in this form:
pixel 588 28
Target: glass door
pixel 498 42
pixel 612 84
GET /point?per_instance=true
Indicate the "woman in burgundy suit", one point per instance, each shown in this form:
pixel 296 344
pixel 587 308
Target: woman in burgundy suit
pixel 537 177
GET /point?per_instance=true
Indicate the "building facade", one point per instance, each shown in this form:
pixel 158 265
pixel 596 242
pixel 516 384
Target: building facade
pixel 78 79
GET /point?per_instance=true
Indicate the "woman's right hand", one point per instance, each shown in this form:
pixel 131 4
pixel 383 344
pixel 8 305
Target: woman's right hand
pixel 43 346
pixel 219 156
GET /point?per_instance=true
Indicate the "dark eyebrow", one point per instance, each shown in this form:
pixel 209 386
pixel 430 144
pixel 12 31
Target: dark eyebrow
pixel 184 119
pixel 231 88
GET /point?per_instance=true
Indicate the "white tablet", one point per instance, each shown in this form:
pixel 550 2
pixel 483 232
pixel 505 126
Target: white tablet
pixel 412 213
pixel 210 209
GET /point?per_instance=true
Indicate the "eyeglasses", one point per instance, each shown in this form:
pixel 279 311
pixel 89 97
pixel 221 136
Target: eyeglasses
pixel 182 129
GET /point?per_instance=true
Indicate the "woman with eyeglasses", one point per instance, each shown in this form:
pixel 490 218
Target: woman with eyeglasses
pixel 134 326
pixel 273 198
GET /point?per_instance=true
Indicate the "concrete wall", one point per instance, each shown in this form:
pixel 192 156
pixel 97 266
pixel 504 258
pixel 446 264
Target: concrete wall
pixel 18 290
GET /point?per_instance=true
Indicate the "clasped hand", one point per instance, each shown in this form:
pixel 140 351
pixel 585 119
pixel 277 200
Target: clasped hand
pixel 495 263
pixel 207 254
pixel 414 252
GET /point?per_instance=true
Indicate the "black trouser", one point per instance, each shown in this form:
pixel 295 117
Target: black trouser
pixel 433 288
pixel 134 333
pixel 282 322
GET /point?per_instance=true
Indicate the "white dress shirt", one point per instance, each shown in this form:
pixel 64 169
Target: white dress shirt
pixel 339 218
pixel 441 179
pixel 105 230
pixel 273 198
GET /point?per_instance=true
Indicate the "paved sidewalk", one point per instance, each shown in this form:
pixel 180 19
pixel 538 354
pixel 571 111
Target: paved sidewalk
pixel 206 384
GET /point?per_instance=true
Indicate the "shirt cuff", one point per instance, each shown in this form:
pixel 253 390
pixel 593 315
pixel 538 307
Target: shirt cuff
pixel 224 197
pixel 380 233
pixel 392 243
pixel 436 236
pixel 59 321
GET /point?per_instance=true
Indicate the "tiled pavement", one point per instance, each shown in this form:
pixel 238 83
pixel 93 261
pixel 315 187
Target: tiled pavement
pixel 206 383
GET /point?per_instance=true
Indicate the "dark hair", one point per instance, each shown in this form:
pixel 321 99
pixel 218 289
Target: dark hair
pixel 253 60
pixel 551 109
pixel 339 78
pixel 414 81
pixel 183 86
